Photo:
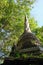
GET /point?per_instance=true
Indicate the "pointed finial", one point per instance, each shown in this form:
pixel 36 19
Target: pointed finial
pixel 27 28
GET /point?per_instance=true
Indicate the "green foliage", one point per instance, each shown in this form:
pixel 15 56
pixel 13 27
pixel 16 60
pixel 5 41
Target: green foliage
pixel 24 56
pixel 12 14
pixel 33 24
pixel 39 34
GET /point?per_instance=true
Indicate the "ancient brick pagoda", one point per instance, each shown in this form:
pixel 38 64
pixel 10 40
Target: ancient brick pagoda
pixel 28 41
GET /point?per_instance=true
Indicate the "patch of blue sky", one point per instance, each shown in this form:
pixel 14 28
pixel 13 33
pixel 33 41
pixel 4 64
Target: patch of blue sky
pixel 37 12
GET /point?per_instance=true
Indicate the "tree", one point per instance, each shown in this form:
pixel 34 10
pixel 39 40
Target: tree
pixel 12 14
pixel 33 24
pixel 39 33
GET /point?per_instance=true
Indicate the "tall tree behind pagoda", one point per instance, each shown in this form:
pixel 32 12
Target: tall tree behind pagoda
pixel 12 14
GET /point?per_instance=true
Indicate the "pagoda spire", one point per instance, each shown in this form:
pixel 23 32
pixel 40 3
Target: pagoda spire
pixel 26 25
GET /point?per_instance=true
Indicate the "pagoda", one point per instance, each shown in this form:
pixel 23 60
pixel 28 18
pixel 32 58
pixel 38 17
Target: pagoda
pixel 28 42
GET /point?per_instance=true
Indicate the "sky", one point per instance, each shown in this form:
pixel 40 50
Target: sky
pixel 37 12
